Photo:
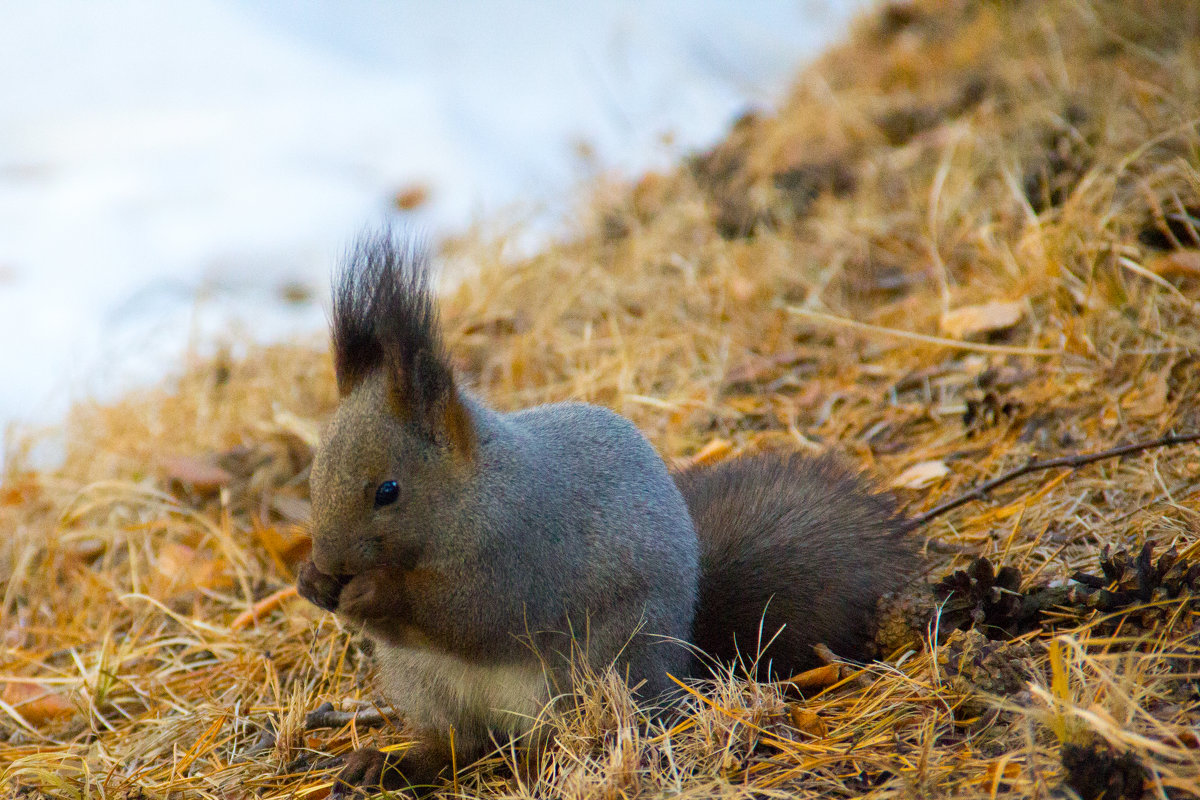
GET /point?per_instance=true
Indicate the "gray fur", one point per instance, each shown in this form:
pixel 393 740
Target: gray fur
pixel 583 525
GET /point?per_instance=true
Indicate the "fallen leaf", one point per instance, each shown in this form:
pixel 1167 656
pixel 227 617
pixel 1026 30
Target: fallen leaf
pixel 200 474
pixel 817 678
pixel 1177 264
pixel 183 568
pixel 17 633
pixel 34 702
pixel 986 318
pixel 1188 738
pixel 1150 398
pixel 411 197
pixel 760 368
pixel 20 492
pixel 742 288
pixel 745 404
pixel 712 452
pixel 807 721
pixel 918 476
pixel 1002 770
pixel 88 550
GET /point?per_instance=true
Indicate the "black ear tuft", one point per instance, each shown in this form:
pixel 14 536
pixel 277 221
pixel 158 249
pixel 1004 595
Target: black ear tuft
pixel 385 318
pixel 384 315
pixel 431 379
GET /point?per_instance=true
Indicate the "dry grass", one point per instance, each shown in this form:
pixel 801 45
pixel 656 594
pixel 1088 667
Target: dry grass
pixel 798 287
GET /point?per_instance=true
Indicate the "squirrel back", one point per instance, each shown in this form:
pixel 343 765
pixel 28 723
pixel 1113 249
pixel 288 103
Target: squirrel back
pixel 794 551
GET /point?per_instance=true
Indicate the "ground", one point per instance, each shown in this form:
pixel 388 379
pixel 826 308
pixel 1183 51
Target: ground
pixel 967 238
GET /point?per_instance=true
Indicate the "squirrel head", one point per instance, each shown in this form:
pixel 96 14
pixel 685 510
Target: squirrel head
pixel 402 441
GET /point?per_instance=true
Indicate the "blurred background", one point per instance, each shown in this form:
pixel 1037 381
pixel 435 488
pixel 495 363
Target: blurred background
pixel 175 175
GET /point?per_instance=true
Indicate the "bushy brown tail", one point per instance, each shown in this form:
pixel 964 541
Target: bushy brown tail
pixel 794 551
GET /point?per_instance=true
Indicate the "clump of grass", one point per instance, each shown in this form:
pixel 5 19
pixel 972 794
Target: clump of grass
pixel 967 237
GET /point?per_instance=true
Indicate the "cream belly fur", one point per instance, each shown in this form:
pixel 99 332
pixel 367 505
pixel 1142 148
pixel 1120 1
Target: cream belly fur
pixel 438 691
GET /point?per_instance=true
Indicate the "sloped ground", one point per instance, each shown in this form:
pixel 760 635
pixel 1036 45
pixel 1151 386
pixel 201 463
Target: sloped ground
pixel 967 238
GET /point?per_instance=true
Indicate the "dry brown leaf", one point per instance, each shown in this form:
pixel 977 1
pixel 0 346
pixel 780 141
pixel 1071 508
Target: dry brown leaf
pixel 1002 770
pixel 1177 264
pixel 411 197
pixel 758 368
pixel 18 493
pixel 1188 738
pixel 201 475
pixel 35 702
pixel 742 288
pixel 88 550
pixel 745 404
pixel 967 321
pixel 182 568
pixel 807 721
pixel 1149 400
pixel 816 678
pixel 918 476
pixel 712 452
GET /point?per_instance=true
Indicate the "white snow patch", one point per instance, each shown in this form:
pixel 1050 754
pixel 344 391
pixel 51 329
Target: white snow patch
pixel 155 153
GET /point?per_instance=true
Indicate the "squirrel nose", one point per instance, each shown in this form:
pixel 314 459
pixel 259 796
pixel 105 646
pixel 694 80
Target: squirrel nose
pixel 327 561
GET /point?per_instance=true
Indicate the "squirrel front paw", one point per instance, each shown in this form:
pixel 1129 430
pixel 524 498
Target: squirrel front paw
pixel 318 588
pixel 371 595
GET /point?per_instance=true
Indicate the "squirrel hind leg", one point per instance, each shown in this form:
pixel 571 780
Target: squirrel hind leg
pixel 794 551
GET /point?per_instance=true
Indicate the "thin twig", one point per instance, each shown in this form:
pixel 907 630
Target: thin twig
pixel 940 341
pixel 981 491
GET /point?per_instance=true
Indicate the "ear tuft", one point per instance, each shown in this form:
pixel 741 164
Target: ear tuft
pixel 385 318
pixel 383 310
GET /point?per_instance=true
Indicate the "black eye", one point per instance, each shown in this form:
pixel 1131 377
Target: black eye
pixel 387 493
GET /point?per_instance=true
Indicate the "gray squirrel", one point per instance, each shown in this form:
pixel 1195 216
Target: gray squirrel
pixel 487 553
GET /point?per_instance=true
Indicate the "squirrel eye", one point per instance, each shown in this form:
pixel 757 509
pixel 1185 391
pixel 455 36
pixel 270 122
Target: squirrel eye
pixel 387 493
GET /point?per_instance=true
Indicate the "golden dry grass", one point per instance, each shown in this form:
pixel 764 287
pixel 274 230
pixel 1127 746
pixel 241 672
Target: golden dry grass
pixel 803 286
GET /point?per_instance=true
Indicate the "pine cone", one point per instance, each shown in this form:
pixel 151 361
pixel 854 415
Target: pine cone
pixel 1133 590
pixel 1128 581
pixel 904 618
pixel 1095 772
pixel 976 666
pixel 979 596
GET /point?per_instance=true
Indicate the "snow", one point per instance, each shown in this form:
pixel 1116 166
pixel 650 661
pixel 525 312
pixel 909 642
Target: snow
pixel 165 168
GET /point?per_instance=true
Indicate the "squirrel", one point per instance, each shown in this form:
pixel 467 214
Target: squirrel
pixel 487 553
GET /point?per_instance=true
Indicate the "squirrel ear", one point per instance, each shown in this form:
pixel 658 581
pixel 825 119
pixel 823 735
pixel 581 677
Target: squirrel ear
pixel 428 398
pixel 459 428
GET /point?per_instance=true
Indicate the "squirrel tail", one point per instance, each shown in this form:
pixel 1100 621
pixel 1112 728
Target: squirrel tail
pixel 794 551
